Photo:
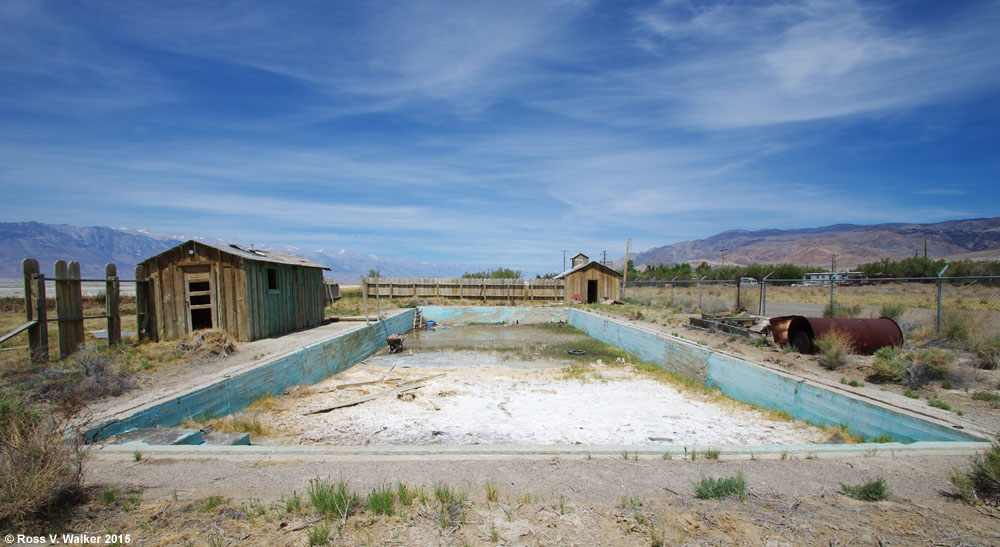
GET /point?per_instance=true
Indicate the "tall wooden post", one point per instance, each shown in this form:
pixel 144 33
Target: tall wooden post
pixel 34 309
pixel 69 307
pixel 364 296
pixel 111 304
pixel 141 302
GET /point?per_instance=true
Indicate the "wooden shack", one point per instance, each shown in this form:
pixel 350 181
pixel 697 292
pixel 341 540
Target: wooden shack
pixel 589 281
pixel 248 293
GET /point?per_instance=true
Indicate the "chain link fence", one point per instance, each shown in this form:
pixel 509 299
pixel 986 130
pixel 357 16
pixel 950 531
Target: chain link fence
pixel 956 306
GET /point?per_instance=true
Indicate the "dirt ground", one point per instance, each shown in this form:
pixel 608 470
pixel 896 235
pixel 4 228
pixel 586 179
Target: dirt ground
pixel 551 501
pixel 563 500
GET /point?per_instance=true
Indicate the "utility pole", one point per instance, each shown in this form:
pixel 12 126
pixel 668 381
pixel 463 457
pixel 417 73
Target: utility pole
pixel 564 261
pixel 627 244
pixel 604 258
pixel 722 256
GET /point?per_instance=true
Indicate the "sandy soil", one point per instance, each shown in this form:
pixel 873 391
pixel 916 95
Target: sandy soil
pixel 557 501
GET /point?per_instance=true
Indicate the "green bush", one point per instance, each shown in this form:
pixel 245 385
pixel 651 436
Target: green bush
pixel 711 488
pixel 915 368
pixel 380 501
pixel 893 310
pixel 889 364
pixel 955 327
pixel 988 352
pixel 875 490
pixel 986 396
pixel 982 482
pixel 938 403
pixel 332 499
pixel 927 364
pixel 319 534
pixel 834 347
pixel 841 310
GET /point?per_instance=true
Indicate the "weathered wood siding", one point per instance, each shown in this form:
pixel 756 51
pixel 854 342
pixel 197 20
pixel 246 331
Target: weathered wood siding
pixel 296 304
pixel 242 305
pixel 576 283
pixel 471 289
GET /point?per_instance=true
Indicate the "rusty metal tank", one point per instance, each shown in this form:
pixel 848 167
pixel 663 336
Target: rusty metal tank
pixel 867 335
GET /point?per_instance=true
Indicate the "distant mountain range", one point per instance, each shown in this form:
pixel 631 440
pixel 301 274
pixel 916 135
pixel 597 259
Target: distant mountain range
pixel 851 243
pixel 95 246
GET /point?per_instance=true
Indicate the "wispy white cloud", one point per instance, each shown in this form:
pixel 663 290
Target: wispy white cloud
pixel 761 64
pixel 499 130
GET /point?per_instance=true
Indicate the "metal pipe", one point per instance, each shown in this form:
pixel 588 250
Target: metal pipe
pixel 867 335
pixel 763 294
pixel 699 292
pixel 939 296
pixel 833 312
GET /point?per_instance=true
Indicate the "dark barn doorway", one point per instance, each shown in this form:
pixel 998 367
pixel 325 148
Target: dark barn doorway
pixel 591 291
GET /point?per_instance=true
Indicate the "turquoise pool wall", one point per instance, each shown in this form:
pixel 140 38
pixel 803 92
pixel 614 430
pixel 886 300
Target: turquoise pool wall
pixel 751 383
pixel 492 314
pixel 302 367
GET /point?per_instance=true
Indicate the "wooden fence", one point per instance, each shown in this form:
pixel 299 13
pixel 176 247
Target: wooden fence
pixel 69 309
pixel 463 288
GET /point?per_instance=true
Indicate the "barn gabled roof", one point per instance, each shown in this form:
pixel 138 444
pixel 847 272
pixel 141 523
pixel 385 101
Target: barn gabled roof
pixel 253 254
pixel 587 265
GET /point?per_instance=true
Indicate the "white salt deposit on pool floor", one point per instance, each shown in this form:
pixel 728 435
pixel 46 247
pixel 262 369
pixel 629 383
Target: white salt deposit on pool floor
pixel 484 399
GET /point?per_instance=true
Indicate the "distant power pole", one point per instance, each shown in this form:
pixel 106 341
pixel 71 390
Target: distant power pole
pixel 722 256
pixel 564 261
pixel 604 258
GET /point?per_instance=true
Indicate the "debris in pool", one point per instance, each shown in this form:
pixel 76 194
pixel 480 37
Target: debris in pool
pixel 395 342
pixel 577 352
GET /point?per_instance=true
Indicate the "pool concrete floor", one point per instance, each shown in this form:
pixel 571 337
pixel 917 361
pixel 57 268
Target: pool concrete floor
pixel 514 390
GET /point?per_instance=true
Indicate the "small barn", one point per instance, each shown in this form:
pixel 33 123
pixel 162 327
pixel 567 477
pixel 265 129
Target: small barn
pixel 250 294
pixel 589 281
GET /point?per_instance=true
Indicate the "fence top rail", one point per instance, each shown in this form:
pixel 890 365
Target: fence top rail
pixel 823 281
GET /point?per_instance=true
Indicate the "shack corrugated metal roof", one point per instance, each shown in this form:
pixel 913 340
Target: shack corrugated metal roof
pixel 254 254
pixel 582 266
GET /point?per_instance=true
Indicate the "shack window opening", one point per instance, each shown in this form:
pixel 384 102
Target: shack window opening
pixel 198 286
pixel 272 279
pixel 201 319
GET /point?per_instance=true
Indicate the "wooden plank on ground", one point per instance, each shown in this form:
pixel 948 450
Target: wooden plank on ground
pixel 366 398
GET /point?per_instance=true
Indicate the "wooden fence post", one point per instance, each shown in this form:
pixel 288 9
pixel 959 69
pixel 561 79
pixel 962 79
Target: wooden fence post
pixel 69 307
pixel 141 296
pixel 364 295
pixel 111 304
pixel 34 309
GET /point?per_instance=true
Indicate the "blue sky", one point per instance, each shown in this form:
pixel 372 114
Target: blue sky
pixel 496 132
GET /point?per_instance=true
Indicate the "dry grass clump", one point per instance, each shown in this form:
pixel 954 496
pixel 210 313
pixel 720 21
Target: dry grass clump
pixel 842 310
pixel 38 470
pixel 90 374
pixel 834 347
pixel 236 423
pixel 913 368
pixel 982 482
pixel 988 352
pixel 209 343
